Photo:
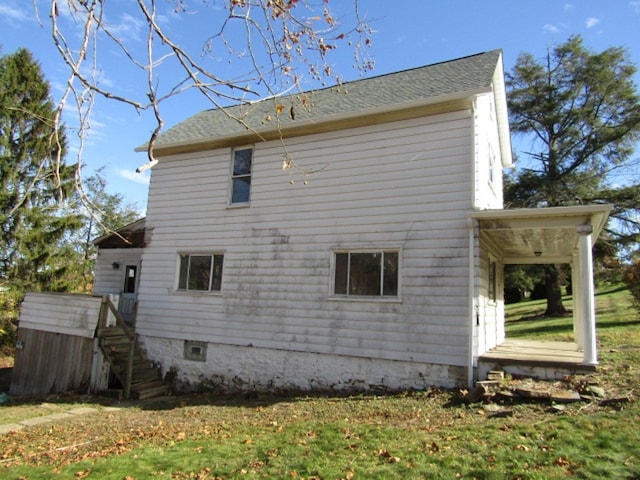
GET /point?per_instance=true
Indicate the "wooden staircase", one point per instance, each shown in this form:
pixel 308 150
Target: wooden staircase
pixel 139 377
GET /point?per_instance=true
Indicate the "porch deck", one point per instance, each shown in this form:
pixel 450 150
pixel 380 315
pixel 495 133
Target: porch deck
pixel 533 358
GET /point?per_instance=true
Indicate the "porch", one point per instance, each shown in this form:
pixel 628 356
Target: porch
pixel 555 235
pixel 534 358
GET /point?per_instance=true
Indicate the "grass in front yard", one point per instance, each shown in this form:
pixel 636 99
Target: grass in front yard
pixel 429 434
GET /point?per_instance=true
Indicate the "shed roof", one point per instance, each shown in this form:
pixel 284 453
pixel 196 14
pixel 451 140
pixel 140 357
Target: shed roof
pixel 312 111
pixel 129 236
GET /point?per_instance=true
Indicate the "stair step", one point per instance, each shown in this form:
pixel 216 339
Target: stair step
pixel 146 379
pixel 151 391
pixel 149 375
pixel 111 332
pixel 115 340
pixel 139 384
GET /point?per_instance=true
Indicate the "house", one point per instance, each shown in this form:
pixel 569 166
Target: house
pixel 118 265
pixel 348 238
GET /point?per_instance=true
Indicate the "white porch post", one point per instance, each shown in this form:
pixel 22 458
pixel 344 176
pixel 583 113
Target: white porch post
pixel 587 304
pixel 576 284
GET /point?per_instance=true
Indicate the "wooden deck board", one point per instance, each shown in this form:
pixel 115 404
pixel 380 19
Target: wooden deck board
pixel 537 353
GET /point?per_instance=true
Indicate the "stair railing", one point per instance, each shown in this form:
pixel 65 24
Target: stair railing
pixel 106 307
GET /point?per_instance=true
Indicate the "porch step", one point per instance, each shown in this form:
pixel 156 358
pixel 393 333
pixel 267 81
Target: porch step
pixel 536 359
pixel 108 332
pixel 150 390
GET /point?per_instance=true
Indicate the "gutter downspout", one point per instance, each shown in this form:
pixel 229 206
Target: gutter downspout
pixel 473 225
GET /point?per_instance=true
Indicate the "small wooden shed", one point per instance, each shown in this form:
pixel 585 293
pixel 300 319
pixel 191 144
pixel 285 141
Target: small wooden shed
pixel 70 342
pixel 56 349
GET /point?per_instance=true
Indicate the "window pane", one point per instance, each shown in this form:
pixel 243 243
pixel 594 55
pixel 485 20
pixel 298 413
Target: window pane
pixel 242 162
pixel 390 281
pixel 217 273
pixel 199 272
pixel 184 268
pixel 364 274
pixel 130 279
pixel 340 287
pixel 492 281
pixel 241 190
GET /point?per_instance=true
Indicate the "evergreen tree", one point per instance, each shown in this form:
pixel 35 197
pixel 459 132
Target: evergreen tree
pixel 581 111
pixel 101 213
pixel 34 182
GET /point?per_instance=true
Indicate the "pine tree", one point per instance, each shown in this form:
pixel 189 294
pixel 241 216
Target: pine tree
pixel 34 180
pixel 581 111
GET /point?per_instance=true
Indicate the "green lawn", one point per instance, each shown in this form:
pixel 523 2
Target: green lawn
pixel 409 435
pixel 613 310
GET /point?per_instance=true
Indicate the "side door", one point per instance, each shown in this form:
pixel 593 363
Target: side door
pixel 129 295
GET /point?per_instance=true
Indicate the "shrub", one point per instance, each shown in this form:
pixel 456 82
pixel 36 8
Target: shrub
pixel 631 279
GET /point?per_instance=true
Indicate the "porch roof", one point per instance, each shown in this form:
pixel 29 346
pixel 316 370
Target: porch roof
pixel 129 236
pixel 541 235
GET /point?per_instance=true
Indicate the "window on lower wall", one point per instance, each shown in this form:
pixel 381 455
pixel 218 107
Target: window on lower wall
pixel 200 272
pixel 366 273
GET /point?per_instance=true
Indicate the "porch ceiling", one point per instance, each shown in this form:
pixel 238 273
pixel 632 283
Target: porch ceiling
pixel 540 235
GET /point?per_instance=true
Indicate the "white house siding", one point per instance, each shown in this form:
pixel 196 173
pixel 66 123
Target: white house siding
pixel 109 280
pixel 490 328
pixel 488 165
pixel 399 185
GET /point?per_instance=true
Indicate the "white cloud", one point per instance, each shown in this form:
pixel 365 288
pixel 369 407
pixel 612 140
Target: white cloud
pixel 142 178
pixel 635 6
pixel 401 39
pixel 592 22
pixel 129 27
pixel 17 14
pixel 550 28
pixel 568 7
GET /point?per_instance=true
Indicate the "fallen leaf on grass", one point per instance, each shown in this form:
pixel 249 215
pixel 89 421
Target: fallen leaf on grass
pixel 382 453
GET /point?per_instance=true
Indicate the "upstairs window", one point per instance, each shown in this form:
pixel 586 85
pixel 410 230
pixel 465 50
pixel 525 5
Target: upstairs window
pixel 366 273
pixel 241 175
pixel 200 272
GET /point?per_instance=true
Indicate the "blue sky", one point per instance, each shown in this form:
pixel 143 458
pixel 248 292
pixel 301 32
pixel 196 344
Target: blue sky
pixel 407 35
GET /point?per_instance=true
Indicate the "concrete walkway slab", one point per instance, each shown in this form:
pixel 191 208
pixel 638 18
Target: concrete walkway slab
pixel 10 427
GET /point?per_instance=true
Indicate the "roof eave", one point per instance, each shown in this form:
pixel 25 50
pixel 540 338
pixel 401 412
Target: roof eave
pixel 502 113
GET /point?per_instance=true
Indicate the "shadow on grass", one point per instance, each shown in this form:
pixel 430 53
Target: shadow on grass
pixel 606 292
pixel 536 330
pixel 240 399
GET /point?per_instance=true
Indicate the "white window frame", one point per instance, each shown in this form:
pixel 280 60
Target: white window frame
pixel 233 176
pixel 366 298
pixel 191 254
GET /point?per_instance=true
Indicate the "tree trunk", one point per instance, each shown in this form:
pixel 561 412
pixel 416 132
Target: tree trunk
pixel 554 294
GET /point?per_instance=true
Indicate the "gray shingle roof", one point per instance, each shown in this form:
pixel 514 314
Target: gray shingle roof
pixel 468 74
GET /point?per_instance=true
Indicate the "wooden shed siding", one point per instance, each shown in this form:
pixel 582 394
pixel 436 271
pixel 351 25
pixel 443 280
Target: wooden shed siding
pixel 51 363
pixel 403 185
pixel 68 314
